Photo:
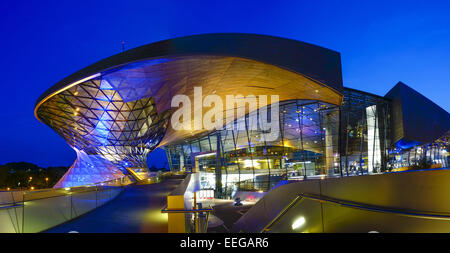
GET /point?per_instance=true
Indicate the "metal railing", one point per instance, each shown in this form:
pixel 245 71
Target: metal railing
pixel 40 210
pixel 281 214
pixel 196 219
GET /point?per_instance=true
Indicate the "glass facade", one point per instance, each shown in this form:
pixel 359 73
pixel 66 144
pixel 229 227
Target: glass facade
pixel 109 134
pixel 116 116
pixel 364 138
pixel 433 155
pixel 316 140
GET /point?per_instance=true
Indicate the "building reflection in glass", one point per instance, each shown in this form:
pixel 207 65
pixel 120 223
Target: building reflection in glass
pixel 307 147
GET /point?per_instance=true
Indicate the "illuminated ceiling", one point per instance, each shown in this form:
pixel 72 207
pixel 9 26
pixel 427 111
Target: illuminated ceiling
pixel 119 108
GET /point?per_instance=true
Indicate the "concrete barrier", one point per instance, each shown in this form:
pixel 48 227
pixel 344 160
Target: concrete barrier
pixel 415 191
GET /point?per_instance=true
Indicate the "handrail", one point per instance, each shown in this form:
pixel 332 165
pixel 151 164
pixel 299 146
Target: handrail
pixel 355 205
pixel 22 219
pixel 400 212
pixel 282 213
pixel 165 210
pixel 203 228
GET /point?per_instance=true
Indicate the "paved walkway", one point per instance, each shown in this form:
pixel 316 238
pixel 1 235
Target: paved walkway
pixel 136 210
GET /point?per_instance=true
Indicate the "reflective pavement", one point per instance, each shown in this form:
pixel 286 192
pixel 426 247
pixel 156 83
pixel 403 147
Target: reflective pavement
pixel 136 210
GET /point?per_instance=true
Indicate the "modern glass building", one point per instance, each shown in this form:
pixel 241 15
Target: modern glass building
pixel 114 112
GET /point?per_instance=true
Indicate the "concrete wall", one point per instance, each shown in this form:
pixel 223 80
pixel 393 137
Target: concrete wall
pixel 420 191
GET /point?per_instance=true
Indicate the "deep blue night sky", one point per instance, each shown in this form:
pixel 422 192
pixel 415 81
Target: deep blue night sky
pixel 44 41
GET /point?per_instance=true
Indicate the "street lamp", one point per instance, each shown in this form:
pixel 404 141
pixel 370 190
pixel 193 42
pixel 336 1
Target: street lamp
pixel 29 180
pixel 46 182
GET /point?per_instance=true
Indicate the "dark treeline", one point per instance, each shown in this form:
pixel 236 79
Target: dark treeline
pixel 23 175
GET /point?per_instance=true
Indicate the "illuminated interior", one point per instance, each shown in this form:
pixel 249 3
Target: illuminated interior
pixel 123 113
